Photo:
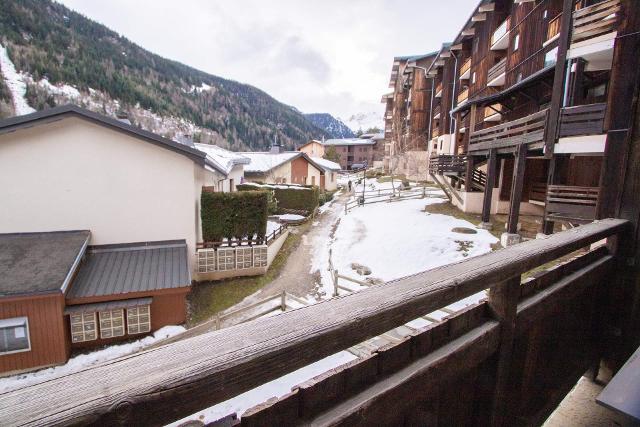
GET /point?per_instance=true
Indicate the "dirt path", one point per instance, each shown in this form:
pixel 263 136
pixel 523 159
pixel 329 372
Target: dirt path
pixel 296 276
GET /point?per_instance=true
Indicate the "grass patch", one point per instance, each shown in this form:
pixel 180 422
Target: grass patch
pixel 206 299
pixel 446 208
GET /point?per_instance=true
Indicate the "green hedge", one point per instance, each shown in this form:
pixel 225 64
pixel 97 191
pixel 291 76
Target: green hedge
pixel 233 215
pixel 294 197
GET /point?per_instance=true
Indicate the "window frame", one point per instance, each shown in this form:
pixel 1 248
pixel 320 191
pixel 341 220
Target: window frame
pixel 137 315
pixel 84 331
pixel 27 334
pixel 110 320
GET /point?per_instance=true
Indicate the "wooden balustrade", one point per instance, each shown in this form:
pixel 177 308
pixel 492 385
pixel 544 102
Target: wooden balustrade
pixel 466 66
pixel 538 191
pixel 595 20
pixel 506 136
pixel 553 29
pixel 463 95
pixel 497 70
pixel 446 164
pixel 438 90
pixel 453 371
pixel 500 32
pixel 582 120
pixel 492 110
pixel 571 203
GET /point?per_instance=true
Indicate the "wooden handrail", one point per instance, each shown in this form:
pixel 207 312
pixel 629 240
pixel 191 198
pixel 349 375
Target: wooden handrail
pixel 175 380
pixel 528 129
pixel 496 70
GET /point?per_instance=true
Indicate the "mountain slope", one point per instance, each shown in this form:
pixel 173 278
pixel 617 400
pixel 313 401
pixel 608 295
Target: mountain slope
pixel 53 46
pixel 334 127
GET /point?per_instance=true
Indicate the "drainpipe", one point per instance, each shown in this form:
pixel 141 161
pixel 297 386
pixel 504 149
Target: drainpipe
pixel 453 94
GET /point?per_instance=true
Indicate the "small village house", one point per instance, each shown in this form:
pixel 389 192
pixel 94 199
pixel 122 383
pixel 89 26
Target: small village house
pixel 135 196
pixel 329 179
pixel 282 167
pixel 312 148
pixel 353 151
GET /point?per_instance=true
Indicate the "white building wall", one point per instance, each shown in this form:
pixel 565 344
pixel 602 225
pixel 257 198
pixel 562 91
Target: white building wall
pixel 73 174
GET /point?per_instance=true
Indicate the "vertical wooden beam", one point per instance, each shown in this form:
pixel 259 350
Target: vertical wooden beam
pixel 558 77
pixel 576 90
pixel 547 226
pixel 488 189
pixel 468 185
pixel 470 159
pixel 503 302
pixel 516 188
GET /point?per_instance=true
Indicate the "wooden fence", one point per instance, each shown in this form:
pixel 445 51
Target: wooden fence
pixel 507 361
pixel 571 203
pixel 582 120
pixel 595 20
pixel 269 238
pixel 386 195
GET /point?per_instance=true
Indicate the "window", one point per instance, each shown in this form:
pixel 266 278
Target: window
pixel 473 77
pixel 313 180
pixel 83 327
pixel 544 14
pixel 226 259
pixel 333 176
pixel 111 323
pixel 550 57
pixel 232 186
pixel 138 320
pixel 244 257
pixel 14 335
pixel 516 42
pixel 206 260
pixel 519 77
pixel 260 256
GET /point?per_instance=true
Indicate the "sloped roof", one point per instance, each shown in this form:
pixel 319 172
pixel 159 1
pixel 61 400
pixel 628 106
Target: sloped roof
pixel 349 141
pixel 265 161
pixel 57 113
pixel 327 164
pixel 129 268
pixel 34 263
pixel 225 160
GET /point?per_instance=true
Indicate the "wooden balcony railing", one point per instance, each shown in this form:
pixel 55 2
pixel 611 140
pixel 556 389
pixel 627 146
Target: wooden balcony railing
pixel 538 192
pixel 571 203
pixel 454 370
pixel 595 20
pixel 554 27
pixel 435 132
pixel 492 110
pixel 436 112
pixel 582 120
pixel 500 32
pixel 447 164
pixel 438 90
pixel 466 66
pixel 497 70
pixel 463 95
pixel 527 130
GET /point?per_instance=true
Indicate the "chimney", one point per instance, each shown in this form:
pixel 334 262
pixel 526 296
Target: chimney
pixel 275 149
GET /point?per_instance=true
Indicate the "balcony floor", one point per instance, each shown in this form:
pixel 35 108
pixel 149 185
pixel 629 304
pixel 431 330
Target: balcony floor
pixel 579 407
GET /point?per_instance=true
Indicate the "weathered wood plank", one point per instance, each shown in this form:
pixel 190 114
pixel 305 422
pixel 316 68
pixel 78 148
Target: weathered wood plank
pixel 178 379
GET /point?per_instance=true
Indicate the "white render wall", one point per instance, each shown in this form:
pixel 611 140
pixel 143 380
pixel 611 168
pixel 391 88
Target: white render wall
pixel 73 174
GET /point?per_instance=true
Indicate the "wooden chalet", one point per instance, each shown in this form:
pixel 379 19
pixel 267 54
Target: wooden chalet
pixel 523 100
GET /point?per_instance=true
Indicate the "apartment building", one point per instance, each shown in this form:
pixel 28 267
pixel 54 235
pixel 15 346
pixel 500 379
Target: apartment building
pixel 523 106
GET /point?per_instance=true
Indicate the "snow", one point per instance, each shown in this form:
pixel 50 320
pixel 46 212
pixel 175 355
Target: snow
pixel 224 158
pixel 264 162
pixel 82 361
pixel 290 217
pixel 16 84
pixel 64 90
pixel 326 164
pixel 349 141
pixel 276 388
pixel 281 186
pixel 272 226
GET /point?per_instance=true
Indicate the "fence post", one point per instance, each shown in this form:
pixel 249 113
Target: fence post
pixel 424 192
pixel 217 322
pixel 503 303
pixel 335 283
pixel 283 301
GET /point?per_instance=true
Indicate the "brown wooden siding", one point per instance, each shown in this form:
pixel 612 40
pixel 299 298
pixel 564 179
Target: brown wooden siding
pixel 299 170
pixel 47 332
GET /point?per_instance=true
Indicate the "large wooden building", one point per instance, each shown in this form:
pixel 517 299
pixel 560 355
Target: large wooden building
pixel 523 102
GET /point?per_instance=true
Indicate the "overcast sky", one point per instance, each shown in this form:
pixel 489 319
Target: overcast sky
pixel 330 56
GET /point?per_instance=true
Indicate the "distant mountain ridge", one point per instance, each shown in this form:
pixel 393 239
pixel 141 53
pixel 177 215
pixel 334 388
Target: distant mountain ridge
pixel 64 57
pixel 334 127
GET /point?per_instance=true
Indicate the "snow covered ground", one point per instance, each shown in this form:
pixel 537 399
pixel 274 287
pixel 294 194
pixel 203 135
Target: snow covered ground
pixel 275 388
pixel 82 361
pixel 16 84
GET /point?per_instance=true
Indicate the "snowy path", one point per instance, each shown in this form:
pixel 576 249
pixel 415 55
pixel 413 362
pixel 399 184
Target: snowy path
pixel 15 83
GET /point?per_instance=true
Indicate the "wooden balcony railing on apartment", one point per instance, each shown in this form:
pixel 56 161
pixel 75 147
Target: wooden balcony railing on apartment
pixel 538 192
pixel 436 112
pixel 500 32
pixel 554 27
pixel 571 203
pixel 595 20
pixel 466 66
pixel 438 90
pixel 463 95
pixel 582 120
pixel 446 164
pixel 526 130
pixel 497 70
pixel 454 370
pixel 435 132
pixel 493 112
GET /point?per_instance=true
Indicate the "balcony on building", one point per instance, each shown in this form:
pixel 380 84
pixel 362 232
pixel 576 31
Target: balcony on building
pixel 500 38
pixel 463 96
pixel 436 113
pixel 497 73
pixel 582 130
pixel 493 113
pixel 594 33
pixel 553 30
pixel 465 70
pixel 438 90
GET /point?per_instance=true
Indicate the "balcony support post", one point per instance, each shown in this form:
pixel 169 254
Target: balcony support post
pixel 558 78
pixel 516 188
pixel 488 189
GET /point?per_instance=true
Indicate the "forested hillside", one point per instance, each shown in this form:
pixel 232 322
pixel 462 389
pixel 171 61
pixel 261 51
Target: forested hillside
pixel 51 46
pixel 331 125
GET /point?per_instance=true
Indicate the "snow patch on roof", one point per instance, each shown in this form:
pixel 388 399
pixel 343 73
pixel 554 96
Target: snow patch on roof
pixel 225 159
pixel 326 164
pixel 349 141
pixel 264 161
